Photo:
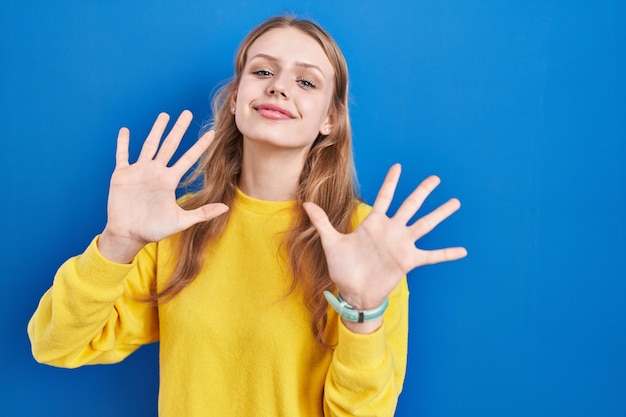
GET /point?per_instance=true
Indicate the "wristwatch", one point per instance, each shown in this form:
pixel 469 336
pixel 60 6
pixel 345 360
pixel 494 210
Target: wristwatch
pixel 349 313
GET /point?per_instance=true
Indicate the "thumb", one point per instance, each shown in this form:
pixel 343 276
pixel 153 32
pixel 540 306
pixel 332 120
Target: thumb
pixel 202 214
pixel 320 221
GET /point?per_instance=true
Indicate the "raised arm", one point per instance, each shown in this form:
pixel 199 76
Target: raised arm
pixel 370 265
pixel 96 309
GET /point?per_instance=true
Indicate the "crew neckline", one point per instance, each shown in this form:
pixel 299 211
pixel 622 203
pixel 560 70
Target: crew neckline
pixel 258 206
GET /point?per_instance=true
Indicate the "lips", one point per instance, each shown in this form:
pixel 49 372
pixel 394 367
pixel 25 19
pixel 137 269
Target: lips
pixel 274 112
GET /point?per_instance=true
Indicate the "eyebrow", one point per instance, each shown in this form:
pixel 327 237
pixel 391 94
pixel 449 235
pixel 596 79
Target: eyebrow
pixel 298 63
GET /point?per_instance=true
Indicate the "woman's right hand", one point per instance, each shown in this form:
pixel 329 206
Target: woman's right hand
pixel 142 205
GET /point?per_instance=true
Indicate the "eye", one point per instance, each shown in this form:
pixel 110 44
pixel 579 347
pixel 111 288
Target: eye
pixel 306 82
pixel 262 73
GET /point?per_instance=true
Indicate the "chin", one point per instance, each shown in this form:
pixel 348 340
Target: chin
pixel 277 137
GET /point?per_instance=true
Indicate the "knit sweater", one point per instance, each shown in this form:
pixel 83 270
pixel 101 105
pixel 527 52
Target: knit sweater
pixel 231 343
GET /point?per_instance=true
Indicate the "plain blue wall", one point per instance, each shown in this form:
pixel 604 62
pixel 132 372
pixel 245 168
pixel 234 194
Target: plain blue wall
pixel 518 105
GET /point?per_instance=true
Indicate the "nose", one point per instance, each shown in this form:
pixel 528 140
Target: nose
pixel 278 87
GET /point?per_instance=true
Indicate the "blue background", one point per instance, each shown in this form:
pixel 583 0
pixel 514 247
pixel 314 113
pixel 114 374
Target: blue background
pixel 518 105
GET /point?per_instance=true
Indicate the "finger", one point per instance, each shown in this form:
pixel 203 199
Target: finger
pixel 320 220
pixel 427 223
pixel 172 140
pixel 444 255
pixel 387 190
pixel 413 202
pixel 201 214
pixel 121 151
pixel 151 145
pixel 194 153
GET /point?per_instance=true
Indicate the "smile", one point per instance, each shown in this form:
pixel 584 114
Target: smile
pixel 274 112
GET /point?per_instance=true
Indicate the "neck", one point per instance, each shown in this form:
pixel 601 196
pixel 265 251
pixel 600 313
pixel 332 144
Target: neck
pixel 271 174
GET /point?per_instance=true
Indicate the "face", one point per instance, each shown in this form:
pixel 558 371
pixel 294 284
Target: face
pixel 285 91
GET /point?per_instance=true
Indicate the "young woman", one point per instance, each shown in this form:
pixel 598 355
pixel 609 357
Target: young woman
pixel 235 281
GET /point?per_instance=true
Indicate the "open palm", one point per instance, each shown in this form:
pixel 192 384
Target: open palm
pixel 142 205
pixel 368 263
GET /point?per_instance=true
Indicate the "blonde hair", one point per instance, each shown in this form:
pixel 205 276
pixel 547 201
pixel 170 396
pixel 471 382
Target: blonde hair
pixel 328 179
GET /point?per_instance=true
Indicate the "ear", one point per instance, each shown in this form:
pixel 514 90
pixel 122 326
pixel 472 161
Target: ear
pixel 329 123
pixel 233 103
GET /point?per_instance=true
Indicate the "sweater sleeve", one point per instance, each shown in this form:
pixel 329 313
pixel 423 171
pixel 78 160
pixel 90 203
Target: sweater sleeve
pixel 95 312
pixel 367 371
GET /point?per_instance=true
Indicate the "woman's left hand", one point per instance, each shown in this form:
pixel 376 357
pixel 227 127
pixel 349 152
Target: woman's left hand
pixel 368 263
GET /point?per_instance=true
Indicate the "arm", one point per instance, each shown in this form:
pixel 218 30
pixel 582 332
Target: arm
pixel 367 371
pixel 369 265
pixel 93 313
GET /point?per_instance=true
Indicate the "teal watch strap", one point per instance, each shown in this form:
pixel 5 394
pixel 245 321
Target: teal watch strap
pixel 349 313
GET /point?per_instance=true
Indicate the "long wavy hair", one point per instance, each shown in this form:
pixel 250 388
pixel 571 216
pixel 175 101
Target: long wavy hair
pixel 327 178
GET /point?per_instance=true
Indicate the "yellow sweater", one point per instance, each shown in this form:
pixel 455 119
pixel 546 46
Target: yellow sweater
pixel 231 344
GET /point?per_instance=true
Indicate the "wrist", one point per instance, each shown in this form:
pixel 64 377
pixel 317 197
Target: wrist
pixel 365 327
pixel 352 314
pixel 361 301
pixel 119 249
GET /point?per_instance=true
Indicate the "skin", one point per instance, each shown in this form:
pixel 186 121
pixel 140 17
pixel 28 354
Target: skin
pixel 366 264
pixel 288 69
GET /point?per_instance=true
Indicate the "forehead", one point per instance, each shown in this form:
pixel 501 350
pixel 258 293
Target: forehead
pixel 291 45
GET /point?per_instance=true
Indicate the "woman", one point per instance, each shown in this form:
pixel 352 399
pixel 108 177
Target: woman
pixel 233 281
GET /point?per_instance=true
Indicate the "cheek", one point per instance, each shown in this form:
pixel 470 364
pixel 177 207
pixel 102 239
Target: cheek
pixel 322 109
pixel 243 93
pixel 318 110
